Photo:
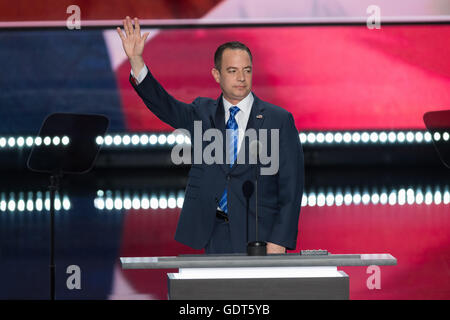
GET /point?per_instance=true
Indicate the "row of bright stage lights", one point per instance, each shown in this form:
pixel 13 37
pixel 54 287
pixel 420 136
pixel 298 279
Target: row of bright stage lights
pixel 33 201
pixel 116 200
pixel 164 139
pixel 108 201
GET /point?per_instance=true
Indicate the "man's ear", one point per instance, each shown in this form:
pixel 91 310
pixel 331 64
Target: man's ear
pixel 216 74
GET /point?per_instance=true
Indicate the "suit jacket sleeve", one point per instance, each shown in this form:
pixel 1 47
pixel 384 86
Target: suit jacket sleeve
pixel 290 190
pixel 175 113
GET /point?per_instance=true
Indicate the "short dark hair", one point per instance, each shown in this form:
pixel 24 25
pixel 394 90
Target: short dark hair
pixel 234 45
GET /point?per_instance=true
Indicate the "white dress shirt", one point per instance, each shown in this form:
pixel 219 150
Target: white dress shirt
pixel 245 107
pixel 141 74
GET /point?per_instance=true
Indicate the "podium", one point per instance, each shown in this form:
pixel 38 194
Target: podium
pixel 290 276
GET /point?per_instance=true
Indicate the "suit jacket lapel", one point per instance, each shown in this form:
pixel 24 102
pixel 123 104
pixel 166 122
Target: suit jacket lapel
pixel 219 122
pixel 255 121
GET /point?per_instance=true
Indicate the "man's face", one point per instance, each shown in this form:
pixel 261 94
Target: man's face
pixel 235 75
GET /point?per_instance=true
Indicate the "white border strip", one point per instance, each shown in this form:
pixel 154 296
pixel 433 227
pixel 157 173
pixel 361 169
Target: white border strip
pixel 233 21
pixel 258 273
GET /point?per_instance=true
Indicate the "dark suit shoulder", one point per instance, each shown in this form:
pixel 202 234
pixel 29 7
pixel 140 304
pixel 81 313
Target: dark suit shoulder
pixel 277 109
pixel 204 101
pixel 275 112
pixel 205 106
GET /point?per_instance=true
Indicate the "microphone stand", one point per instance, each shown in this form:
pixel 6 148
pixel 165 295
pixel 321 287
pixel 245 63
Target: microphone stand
pixel 256 248
pixel 247 190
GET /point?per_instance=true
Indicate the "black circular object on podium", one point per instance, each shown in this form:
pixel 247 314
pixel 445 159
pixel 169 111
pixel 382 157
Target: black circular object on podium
pixel 257 248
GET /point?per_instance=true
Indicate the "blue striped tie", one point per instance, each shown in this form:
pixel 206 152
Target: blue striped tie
pixel 233 126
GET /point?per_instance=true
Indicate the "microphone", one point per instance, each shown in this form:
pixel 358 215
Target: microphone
pixel 247 190
pixel 255 248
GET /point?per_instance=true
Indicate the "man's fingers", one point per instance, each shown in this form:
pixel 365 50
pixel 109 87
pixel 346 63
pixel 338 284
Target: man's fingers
pixel 130 26
pixel 145 35
pixel 137 27
pixel 121 34
pixel 125 27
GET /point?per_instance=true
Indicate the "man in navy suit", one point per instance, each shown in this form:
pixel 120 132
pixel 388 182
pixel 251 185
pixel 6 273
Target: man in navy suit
pixel 214 210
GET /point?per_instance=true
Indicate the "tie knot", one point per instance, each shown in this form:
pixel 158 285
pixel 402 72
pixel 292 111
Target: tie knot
pixel 233 111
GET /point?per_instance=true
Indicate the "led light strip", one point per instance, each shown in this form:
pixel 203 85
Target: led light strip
pixel 306 138
pixel 366 137
pixel 28 142
pixel 33 201
pixel 135 140
pixel 117 200
pixel 392 197
pixel 109 200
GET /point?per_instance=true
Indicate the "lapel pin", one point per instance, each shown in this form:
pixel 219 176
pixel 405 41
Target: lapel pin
pixel 259 116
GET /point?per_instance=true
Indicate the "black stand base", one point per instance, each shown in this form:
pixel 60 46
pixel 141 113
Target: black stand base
pixel 257 248
pixel 55 179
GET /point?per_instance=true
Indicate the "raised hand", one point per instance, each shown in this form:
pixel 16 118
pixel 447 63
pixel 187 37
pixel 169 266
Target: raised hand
pixel 133 42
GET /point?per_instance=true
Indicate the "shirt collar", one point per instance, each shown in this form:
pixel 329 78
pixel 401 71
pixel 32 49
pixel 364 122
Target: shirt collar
pixel 245 105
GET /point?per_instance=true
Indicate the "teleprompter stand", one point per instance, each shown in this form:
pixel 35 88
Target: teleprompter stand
pixel 67 146
pixel 438 125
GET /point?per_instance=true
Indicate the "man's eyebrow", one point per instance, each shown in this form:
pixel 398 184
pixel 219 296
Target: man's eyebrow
pixel 247 67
